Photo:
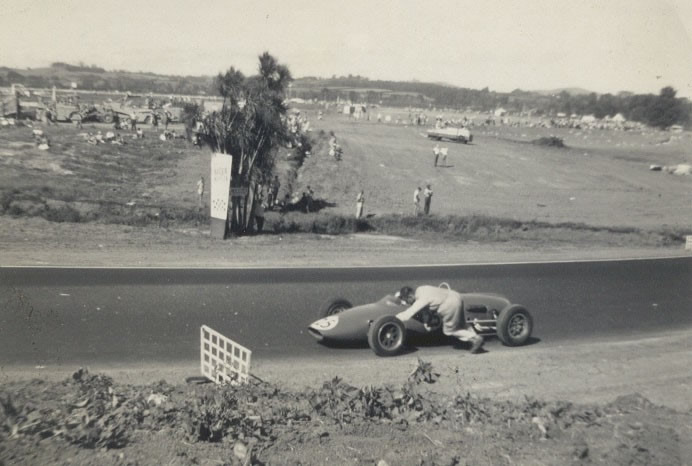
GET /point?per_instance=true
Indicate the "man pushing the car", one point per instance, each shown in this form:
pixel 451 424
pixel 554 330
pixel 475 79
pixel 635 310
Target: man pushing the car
pixel 449 306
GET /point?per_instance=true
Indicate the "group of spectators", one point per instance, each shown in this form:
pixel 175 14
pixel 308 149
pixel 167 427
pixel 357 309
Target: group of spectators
pixel 297 123
pixel 427 194
pixel 109 137
pixel 437 152
pixel 271 202
pixel 424 195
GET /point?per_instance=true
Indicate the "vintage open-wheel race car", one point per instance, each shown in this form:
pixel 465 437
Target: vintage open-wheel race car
pixel 376 323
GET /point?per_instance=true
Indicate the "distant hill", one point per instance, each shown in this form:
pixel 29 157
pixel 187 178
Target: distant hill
pixel 62 75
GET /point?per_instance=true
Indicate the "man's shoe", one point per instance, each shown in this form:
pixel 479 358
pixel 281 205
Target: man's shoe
pixel 477 346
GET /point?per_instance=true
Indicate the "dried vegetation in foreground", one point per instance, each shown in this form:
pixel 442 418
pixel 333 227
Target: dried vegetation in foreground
pixel 91 419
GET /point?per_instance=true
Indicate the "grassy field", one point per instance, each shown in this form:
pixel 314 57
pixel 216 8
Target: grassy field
pixel 601 178
pixel 499 188
pixel 140 182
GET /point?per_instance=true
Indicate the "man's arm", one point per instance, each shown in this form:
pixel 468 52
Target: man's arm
pixel 413 310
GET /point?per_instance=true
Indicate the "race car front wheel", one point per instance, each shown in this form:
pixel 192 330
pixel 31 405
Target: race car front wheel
pixel 387 336
pixel 335 306
pixel 514 325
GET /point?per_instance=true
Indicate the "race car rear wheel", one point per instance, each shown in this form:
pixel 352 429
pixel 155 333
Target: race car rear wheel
pixel 387 336
pixel 514 325
pixel 335 306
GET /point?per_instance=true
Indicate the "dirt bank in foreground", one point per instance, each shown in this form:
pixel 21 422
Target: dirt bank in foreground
pixel 628 403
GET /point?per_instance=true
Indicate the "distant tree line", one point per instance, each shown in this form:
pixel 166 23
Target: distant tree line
pixel 662 110
pixel 441 95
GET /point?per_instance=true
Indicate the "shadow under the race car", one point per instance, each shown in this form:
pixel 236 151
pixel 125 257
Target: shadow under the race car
pixel 355 344
pixel 413 342
pixel 436 340
pixel 531 341
pixel 430 340
pixel 461 345
pixel 360 345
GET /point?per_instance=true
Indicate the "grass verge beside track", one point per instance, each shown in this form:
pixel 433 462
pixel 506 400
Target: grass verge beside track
pixel 446 227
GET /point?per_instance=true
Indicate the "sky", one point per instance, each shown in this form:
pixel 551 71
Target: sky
pixel 602 46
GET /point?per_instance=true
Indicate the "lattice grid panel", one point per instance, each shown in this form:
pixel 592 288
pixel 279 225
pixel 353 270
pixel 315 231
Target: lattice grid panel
pixel 223 360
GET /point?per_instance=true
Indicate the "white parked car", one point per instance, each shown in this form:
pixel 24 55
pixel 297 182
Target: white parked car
pixel 453 134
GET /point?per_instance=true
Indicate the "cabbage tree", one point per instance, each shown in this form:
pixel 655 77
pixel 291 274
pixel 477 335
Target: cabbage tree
pixel 250 126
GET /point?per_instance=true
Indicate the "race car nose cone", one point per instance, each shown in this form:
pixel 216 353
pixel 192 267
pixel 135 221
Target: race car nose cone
pixel 318 328
pixel 318 336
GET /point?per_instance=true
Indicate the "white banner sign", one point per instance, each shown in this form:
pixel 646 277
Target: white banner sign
pixel 220 181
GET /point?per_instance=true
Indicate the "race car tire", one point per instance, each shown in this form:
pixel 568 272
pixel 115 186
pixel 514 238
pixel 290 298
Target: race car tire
pixel 108 118
pixel 514 325
pixel 387 336
pixel 335 306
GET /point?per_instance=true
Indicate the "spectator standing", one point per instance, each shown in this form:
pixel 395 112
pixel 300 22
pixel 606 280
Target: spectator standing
pixel 200 192
pixel 133 121
pixel 309 196
pixel 274 186
pixel 443 151
pixel 416 201
pixel 436 154
pixel 259 214
pixel 360 200
pixel 427 197
pixel 284 205
pixel 333 146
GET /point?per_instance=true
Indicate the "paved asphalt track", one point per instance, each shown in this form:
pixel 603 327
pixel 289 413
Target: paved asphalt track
pixel 84 316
